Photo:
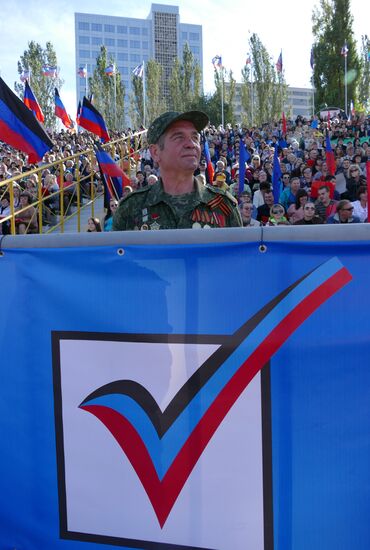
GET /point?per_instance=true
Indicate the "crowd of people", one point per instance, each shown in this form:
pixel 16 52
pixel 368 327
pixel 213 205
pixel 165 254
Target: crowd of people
pixel 310 191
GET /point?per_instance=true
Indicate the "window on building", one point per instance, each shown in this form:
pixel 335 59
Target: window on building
pixel 82 26
pixel 195 50
pixel 123 70
pixel 84 39
pixel 108 28
pixel 121 29
pixel 144 31
pixel 84 53
pixel 110 42
pixel 135 44
pixel 122 43
pixel 96 40
pixel 146 58
pixel 194 36
pixel 122 56
pixel 184 35
pixel 135 57
pixel 97 27
pixel 95 54
pixel 145 45
pixel 134 30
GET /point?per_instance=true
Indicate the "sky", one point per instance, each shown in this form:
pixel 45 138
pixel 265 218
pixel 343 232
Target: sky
pixel 284 25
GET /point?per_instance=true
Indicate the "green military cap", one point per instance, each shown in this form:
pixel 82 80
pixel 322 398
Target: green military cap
pixel 160 124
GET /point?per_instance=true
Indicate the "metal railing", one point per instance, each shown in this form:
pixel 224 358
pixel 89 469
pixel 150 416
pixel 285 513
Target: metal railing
pixel 52 210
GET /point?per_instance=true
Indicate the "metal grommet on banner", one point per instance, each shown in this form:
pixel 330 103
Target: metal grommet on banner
pixel 262 247
pixel 120 252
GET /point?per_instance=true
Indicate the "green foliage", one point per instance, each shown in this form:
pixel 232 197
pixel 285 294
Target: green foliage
pixel 332 29
pixel 154 104
pixel 263 100
pixel 108 92
pixel 33 60
pixel 364 82
pixel 184 82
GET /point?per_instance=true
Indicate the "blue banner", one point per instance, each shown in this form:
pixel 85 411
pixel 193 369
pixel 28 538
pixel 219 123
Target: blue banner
pixel 190 396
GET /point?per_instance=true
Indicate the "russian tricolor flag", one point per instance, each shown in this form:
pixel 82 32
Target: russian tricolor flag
pixel 207 154
pixel 19 128
pixel 114 178
pixel 31 102
pixel 329 156
pixel 61 112
pixel 91 120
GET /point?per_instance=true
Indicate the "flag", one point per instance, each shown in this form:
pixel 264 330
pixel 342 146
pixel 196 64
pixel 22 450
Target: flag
pixel 329 155
pixel 244 157
pixel 248 61
pixel 284 129
pixel 19 128
pixel 139 70
pixel 82 71
pixel 276 176
pixel 61 112
pixel 79 107
pixel 279 63
pixel 49 70
pixel 25 75
pixel 312 59
pixel 344 50
pixel 114 179
pixel 31 102
pixel 110 70
pixel 207 154
pixel 329 120
pixel 217 61
pixel 92 120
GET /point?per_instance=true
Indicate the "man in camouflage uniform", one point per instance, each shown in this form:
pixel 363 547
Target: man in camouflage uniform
pixel 177 200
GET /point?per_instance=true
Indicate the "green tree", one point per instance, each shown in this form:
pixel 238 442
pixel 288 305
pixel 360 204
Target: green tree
pixel 225 90
pixel 269 87
pixel 364 82
pixel 108 92
pixel 154 102
pixel 185 81
pixel 332 28
pixel 33 60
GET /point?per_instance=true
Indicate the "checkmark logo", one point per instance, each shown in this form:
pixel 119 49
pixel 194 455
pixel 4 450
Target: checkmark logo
pixel 164 446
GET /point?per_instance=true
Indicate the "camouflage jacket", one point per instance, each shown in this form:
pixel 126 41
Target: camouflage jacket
pixel 152 208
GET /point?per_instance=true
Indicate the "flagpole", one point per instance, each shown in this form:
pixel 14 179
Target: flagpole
pixel 115 99
pixel 222 96
pixel 345 81
pixel 144 94
pixel 86 80
pixel 252 96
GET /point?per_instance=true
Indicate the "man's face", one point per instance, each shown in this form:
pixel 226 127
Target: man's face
pixel 262 176
pixel 323 195
pixel 307 174
pixel 346 164
pixel 295 185
pixel 180 149
pixel 269 198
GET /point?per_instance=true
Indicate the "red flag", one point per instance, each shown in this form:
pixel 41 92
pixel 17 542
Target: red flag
pixel 368 187
pixel 329 156
pixel 329 120
pixel 284 124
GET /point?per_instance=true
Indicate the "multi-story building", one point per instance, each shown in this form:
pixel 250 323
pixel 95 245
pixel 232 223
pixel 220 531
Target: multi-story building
pixel 299 102
pixel 130 41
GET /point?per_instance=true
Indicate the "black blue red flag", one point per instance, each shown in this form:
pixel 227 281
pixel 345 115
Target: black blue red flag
pixel 61 112
pixel 92 120
pixel 19 128
pixel 31 102
pixel 114 178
